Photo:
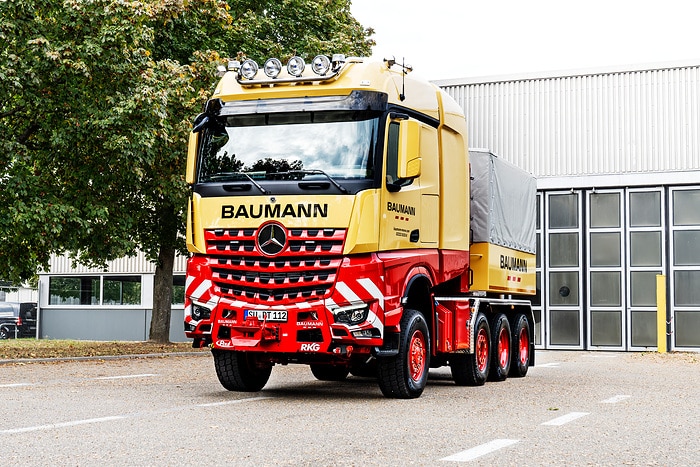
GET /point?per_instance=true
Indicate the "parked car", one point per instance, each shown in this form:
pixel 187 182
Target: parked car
pixel 17 320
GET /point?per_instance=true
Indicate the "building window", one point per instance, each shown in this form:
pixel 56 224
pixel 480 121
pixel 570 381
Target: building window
pixel 178 290
pixel 74 290
pixel 95 290
pixel 121 290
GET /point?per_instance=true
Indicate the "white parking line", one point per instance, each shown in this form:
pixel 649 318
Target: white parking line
pixel 69 380
pixel 15 385
pixel 566 418
pixel 482 450
pixel 549 365
pixel 145 375
pixel 63 424
pixel 615 399
pixel 87 421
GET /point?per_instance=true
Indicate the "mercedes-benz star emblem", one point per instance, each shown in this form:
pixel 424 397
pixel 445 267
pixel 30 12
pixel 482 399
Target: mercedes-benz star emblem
pixel 272 239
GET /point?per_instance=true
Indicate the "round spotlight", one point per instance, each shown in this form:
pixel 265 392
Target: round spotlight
pixel 249 69
pixel 320 65
pixel 272 67
pixel 295 66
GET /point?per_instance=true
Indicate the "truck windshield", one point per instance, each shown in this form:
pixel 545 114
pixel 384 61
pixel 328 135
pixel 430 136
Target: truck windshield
pixel 279 146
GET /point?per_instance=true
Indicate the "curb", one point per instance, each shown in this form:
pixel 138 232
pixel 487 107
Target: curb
pixel 103 357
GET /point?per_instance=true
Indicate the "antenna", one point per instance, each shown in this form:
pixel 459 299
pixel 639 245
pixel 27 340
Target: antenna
pixel 402 96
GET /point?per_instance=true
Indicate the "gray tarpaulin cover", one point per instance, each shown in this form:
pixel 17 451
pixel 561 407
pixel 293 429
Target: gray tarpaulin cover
pixel 503 203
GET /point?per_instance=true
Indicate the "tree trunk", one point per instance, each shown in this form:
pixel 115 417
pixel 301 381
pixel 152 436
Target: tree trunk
pixel 162 295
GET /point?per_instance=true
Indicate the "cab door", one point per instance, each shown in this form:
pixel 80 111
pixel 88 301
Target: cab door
pixel 410 204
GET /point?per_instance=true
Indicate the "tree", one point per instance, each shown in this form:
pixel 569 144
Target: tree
pixel 96 103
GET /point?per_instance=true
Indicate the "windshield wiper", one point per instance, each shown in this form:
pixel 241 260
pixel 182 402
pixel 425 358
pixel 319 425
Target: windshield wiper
pixel 231 176
pixel 318 172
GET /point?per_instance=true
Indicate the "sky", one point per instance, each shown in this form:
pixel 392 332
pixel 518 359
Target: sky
pixel 444 39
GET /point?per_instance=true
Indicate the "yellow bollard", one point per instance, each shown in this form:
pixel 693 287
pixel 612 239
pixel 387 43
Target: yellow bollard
pixel 661 313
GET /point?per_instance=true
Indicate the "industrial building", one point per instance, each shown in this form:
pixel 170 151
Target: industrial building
pixel 616 152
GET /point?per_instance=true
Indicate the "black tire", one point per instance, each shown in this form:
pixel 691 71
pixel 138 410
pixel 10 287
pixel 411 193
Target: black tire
pixel 329 372
pixel 5 333
pixel 501 348
pixel 405 375
pixel 472 369
pixel 521 347
pixel 239 371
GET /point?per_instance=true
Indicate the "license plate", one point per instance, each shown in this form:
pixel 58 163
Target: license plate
pixel 267 315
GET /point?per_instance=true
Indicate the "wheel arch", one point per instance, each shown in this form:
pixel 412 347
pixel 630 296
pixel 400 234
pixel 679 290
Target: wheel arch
pixel 417 295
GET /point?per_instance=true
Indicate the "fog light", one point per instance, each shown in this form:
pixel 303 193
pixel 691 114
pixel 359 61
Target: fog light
pixel 272 67
pixel 362 333
pixel 295 66
pixel 320 65
pixel 249 69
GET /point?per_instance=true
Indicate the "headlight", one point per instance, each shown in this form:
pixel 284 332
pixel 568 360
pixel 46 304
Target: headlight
pixel 353 314
pixel 295 66
pixel 249 69
pixel 200 312
pixel 272 67
pixel 320 65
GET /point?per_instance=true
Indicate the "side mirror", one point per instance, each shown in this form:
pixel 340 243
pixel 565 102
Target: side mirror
pixel 409 162
pixel 191 158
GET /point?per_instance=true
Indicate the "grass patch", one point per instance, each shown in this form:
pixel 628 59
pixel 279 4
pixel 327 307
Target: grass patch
pixel 12 349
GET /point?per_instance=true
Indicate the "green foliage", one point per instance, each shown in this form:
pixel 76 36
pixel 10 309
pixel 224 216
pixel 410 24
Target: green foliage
pixel 96 103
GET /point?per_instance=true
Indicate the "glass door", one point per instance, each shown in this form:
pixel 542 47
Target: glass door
pixel 645 253
pixel 563 298
pixel 685 268
pixel 605 270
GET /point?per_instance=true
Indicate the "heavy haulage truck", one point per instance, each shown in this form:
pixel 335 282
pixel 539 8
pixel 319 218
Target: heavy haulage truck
pixel 335 221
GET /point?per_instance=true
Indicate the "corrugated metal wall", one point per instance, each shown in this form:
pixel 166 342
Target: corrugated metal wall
pixel 604 123
pixel 133 265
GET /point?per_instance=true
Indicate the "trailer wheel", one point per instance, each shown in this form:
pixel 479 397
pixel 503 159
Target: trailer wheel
pixel 239 371
pixel 329 372
pixel 520 360
pixel 500 348
pixel 472 369
pixel 405 375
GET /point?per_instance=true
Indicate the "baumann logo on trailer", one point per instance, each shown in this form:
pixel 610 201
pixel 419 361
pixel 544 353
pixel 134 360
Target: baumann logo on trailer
pixel 273 211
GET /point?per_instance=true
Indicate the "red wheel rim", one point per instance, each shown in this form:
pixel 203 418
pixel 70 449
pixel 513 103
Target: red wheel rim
pixel 416 356
pixel 504 348
pixel 482 350
pixel 524 346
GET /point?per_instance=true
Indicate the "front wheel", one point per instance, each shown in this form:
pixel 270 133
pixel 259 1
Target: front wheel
pixel 472 369
pixel 405 375
pixel 240 371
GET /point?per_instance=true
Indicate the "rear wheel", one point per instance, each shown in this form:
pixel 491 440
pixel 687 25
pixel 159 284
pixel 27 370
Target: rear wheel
pixel 500 348
pixel 405 375
pixel 329 372
pixel 240 371
pixel 520 360
pixel 472 369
